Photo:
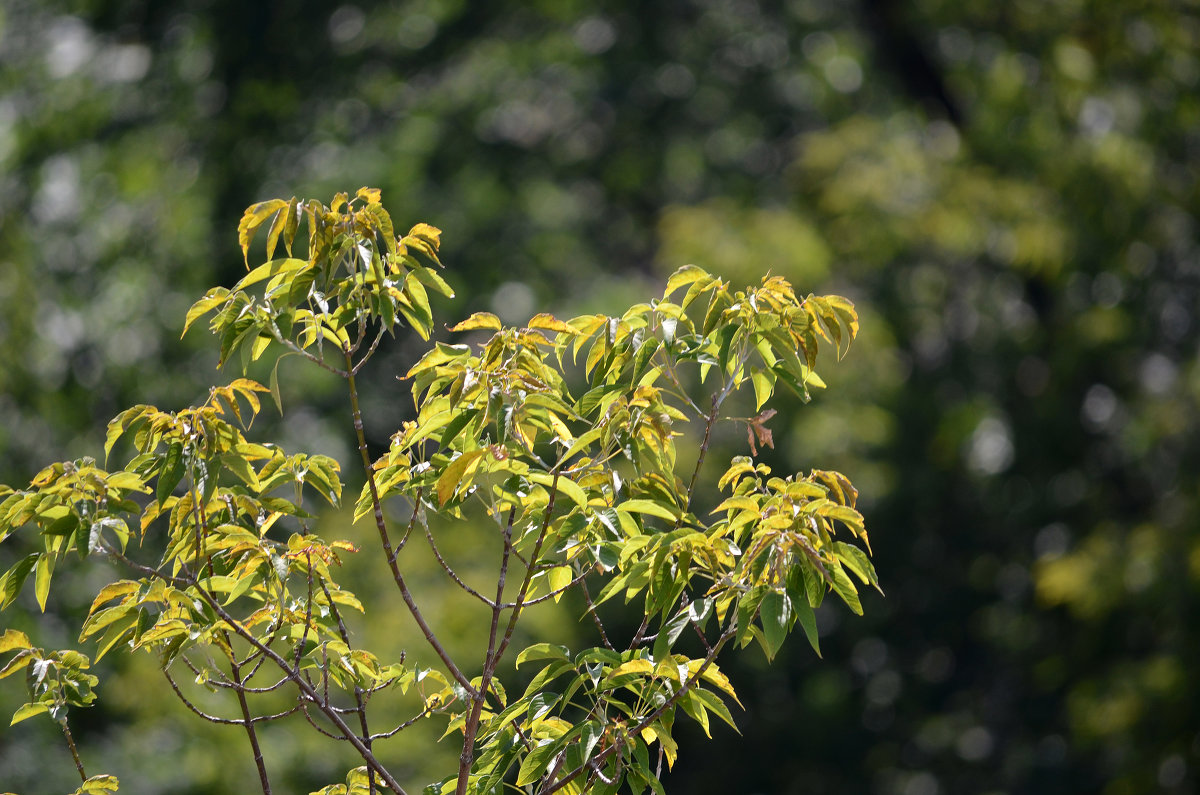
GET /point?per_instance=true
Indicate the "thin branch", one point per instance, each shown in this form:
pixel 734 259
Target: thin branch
pixel 359 704
pixel 710 421
pixel 437 553
pixel 217 719
pixel 422 714
pixel 74 750
pixel 312 357
pixel 248 722
pixel 529 571
pixel 591 611
pixel 370 351
pixel 381 526
pixel 471 725
pixel 326 732
pixel 307 690
pixel 555 593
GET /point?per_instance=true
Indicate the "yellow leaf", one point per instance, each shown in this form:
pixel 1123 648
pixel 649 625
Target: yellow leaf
pixel 479 320
pixel 551 323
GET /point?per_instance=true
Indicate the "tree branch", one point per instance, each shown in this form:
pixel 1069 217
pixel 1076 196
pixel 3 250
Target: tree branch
pixel 381 526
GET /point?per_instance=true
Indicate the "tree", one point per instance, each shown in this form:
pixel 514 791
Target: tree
pixel 228 584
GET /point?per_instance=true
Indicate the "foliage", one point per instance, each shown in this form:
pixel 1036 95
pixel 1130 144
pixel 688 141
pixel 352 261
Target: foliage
pixel 228 584
pixel 1007 193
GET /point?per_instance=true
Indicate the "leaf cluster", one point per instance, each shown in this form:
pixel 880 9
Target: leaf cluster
pixel 580 488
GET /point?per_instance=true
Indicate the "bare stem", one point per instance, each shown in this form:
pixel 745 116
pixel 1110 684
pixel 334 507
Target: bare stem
pixel 471 726
pixel 74 750
pixel 381 526
pixel 248 722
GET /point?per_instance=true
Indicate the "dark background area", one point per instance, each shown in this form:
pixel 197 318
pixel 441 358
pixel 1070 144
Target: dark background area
pixel 1008 191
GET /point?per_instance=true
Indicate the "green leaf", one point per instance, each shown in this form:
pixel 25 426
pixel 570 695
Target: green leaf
pixel 563 484
pixel 764 385
pixel 28 711
pixel 857 561
pixel 41 579
pixel 14 578
pixel 686 275
pixel 808 620
pixel 656 508
pixel 844 587
pixel 776 616
pixel 274 267
pixel 747 606
pixel 172 472
pixel 714 703
pixel 543 651
pixel 212 299
pixel 535 762
pixel 242 468
pixel 638 666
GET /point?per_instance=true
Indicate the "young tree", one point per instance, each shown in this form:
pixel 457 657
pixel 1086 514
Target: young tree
pixel 227 583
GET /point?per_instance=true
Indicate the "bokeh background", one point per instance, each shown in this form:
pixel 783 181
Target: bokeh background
pixel 1008 191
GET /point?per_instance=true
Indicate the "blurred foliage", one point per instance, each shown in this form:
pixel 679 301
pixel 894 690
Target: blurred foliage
pixel 1008 192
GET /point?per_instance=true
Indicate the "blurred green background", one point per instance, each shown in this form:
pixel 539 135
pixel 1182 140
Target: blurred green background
pixel 1008 191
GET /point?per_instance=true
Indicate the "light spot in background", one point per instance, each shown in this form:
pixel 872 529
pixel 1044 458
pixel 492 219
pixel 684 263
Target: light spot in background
pixel 844 74
pixel 1074 61
pixel 936 665
pixel 818 47
pixel 1051 541
pixel 1158 374
pixel 975 744
pixel 941 139
pixel 1099 408
pixel 594 35
pixel 884 688
pixel 921 784
pixel 123 63
pixel 674 80
pixel 1172 771
pixel 69 45
pixel 57 198
pixel 417 31
pixel 869 655
pixel 1108 289
pixel 513 302
pixel 1096 117
pixel 955 43
pixel 990 450
pixel 346 24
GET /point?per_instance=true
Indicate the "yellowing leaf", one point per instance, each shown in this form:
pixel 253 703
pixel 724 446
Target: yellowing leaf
pixel 254 217
pixel 453 475
pixel 13 639
pixel 551 323
pixel 639 666
pixel 686 275
pixel 479 320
